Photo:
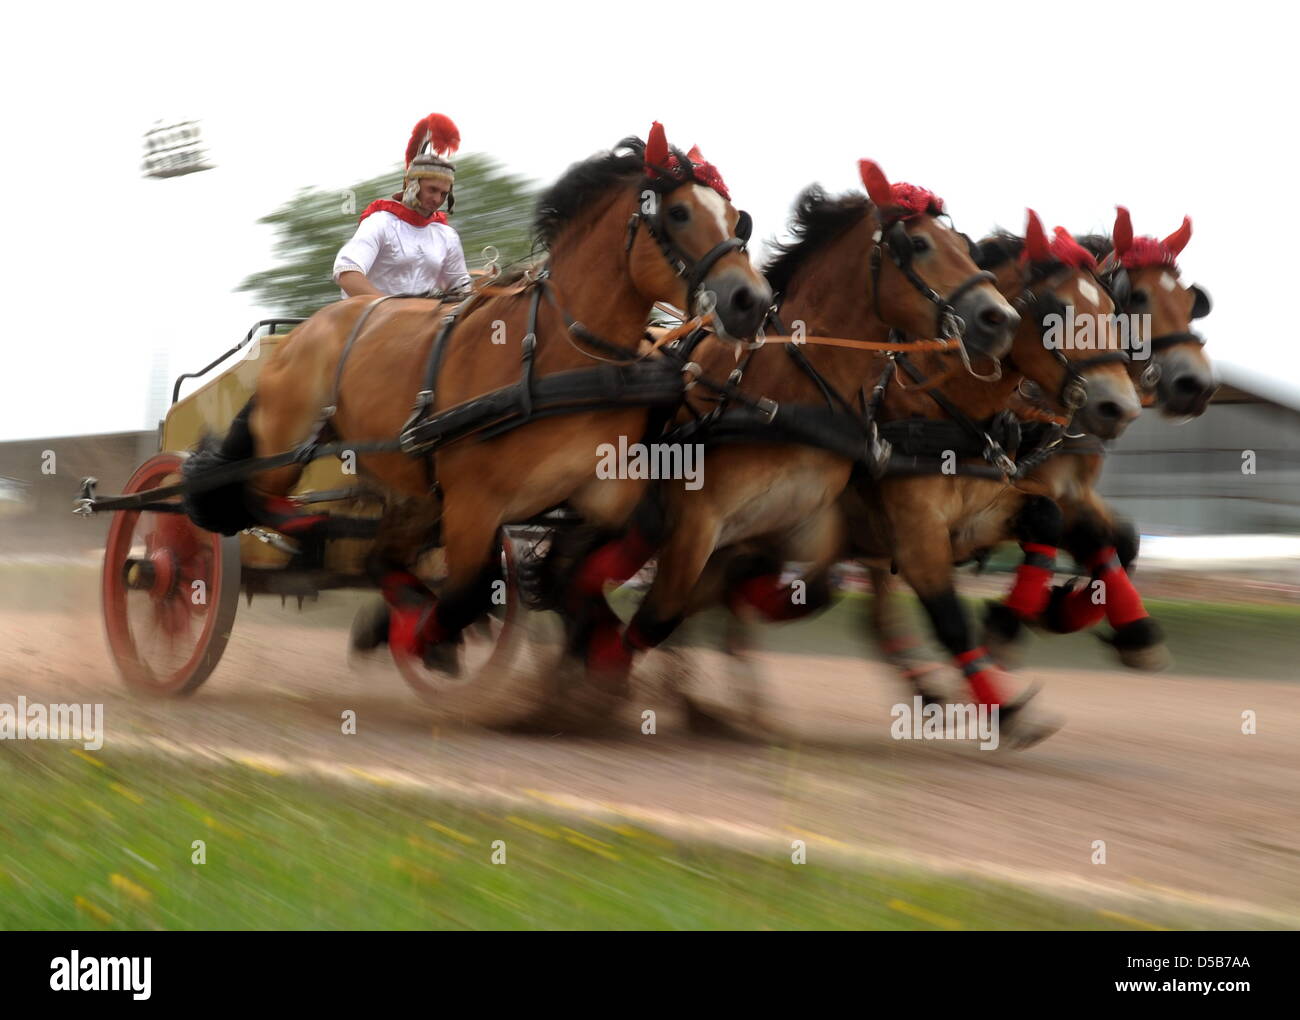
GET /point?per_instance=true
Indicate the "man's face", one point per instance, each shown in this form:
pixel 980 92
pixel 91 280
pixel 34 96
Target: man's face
pixel 432 195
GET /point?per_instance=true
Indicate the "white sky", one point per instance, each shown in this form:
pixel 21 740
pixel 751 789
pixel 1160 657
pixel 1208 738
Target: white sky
pixel 1168 108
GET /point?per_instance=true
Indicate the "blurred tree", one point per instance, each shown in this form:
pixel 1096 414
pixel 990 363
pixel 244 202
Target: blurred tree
pixel 492 207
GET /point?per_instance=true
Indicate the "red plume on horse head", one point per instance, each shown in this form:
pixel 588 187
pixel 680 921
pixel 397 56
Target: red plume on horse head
pixel 656 148
pixel 1037 247
pixel 1135 252
pixel 1121 237
pixel 897 201
pixel 438 132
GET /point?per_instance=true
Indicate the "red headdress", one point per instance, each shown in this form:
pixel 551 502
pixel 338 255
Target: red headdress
pixel 661 161
pixel 433 139
pixel 1062 248
pixel 1135 252
pixel 897 201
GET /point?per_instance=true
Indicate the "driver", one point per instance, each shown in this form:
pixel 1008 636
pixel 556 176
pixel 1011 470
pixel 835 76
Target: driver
pixel 404 244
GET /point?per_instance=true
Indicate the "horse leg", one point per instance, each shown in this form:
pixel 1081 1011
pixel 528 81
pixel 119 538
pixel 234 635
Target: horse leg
pixel 754 581
pixel 901 647
pixel 1037 524
pixel 925 558
pixel 1096 542
pixel 429 627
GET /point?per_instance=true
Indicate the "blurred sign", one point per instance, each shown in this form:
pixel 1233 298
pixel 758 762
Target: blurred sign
pixel 173 150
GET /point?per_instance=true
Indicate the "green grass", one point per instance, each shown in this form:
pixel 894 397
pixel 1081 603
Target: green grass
pixel 104 841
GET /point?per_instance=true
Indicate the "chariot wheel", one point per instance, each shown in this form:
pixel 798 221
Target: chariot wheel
pixel 170 591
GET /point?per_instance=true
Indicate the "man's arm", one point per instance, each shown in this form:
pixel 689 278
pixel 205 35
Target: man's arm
pixel 354 283
pixel 357 256
pixel 454 274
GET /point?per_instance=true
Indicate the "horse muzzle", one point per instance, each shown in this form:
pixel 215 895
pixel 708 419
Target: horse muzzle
pixel 1185 387
pixel 990 320
pixel 1112 406
pixel 739 302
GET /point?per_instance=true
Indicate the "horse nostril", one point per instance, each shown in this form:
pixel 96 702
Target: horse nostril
pixel 1110 410
pixel 1189 386
pixel 991 318
pixel 743 299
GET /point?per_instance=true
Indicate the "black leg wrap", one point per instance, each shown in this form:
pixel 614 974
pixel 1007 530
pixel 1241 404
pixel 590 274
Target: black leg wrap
pixel 223 509
pixel 458 609
pixel 1001 621
pixel 1143 633
pixel 948 617
pixel 1126 542
pixel 646 632
pixel 1039 521
pixel 1086 537
pixel 746 566
pixel 650 518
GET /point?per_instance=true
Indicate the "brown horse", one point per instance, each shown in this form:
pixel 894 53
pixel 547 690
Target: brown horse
pixel 927 518
pixel 624 229
pixel 860 268
pixel 1177 378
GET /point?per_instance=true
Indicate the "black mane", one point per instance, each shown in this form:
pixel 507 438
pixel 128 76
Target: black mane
pixel 582 183
pixel 1100 245
pixel 1001 247
pixel 818 220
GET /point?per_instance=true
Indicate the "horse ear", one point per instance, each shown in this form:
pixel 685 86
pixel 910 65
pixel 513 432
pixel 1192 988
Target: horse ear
pixel 1122 236
pixel 656 147
pixel 876 183
pixel 1177 241
pixel 695 155
pixel 1037 248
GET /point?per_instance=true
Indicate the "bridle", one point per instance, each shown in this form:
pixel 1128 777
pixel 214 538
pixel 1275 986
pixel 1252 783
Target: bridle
pixel 684 265
pixel 1073 391
pixel 1116 278
pixel 895 238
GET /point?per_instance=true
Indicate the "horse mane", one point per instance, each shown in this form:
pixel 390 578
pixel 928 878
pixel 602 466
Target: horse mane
pixel 1100 245
pixel 582 184
pixel 818 219
pixel 1002 247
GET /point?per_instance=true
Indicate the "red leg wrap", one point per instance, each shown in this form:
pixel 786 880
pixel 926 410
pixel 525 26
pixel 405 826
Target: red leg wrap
pixel 1123 604
pixel 773 600
pixel 1029 594
pixel 981 674
pixel 614 561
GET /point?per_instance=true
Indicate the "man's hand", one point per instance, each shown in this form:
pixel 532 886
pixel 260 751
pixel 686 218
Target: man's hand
pixel 354 283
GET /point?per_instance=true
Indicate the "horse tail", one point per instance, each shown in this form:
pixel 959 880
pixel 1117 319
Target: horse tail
pixel 223 509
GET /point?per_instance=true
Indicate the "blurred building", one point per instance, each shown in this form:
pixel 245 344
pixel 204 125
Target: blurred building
pixel 1194 478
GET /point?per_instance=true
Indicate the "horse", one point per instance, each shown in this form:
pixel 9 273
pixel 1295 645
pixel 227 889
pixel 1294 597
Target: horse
pixel 861 268
pixel 638 224
pixel 1176 377
pixel 939 510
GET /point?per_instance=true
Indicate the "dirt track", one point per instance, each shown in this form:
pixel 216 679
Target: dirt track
pixel 1155 766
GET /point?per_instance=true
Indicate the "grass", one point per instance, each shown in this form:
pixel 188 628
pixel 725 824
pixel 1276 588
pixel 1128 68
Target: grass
pixel 105 841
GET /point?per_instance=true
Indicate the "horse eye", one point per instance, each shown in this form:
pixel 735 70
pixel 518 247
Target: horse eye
pixel 679 214
pixel 920 245
pixel 1137 299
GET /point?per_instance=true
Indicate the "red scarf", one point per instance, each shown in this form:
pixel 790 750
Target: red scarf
pixel 403 212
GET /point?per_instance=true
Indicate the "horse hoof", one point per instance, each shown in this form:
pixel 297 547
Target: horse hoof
pixel 369 627
pixel 1002 632
pixel 443 657
pixel 1140 645
pixel 1022 724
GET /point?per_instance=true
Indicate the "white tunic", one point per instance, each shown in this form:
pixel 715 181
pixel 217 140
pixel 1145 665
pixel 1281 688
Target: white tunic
pixel 401 259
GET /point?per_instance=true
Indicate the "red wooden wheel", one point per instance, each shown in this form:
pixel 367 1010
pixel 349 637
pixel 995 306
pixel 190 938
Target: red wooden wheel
pixel 170 591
